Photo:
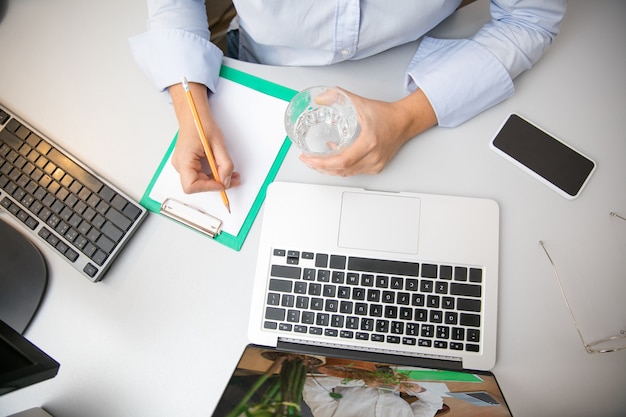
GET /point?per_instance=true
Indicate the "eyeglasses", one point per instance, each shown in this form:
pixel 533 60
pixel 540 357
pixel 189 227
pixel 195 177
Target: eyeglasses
pixel 604 345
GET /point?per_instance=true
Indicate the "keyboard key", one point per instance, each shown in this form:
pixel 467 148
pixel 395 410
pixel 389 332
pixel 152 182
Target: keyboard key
pixel 329 290
pixel 367 324
pixel 405 313
pixel 346 334
pixel 382 326
pixel 337 277
pixel 467 304
pixel 412 329
pixel 391 312
pixel 323 275
pixel 443 332
pixel 273 299
pixel 308 317
pixel 321 260
pixel 331 306
pixel 383 266
pixel 280 285
pixel 315 289
pixel 317 304
pixel 352 278
pixel 300 287
pixel 272 313
pixel 376 310
pixel 429 271
pixel 475 275
pixel 460 273
pixel 352 322
pixel 445 272
pixel 270 325
pixel 285 271
pixel 309 274
pixel 337 262
pixel 337 321
pixel 322 319
pixel 472 320
pixel 367 280
pixel 458 333
pixel 451 317
pixel 425 342
pixel 346 307
pixel 397 327
pixel 473 335
pixel 404 298
pixel 287 300
pixel 378 338
pixel 382 281
pixel 302 302
pixel 468 290
pixel 373 295
pixel 90 270
pixel 441 287
pixel 418 300
pixel 421 314
pixel 343 292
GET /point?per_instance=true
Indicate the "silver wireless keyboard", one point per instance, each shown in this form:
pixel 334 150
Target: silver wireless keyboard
pixel 60 201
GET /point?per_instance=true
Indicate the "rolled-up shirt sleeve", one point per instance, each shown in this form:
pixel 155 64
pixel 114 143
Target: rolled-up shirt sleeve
pixel 463 77
pixel 177 44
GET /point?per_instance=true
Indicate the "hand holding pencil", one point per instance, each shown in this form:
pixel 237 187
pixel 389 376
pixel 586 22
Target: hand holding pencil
pixel 189 153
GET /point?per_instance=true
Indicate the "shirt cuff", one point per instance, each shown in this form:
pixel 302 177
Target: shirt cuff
pixel 168 55
pixel 459 77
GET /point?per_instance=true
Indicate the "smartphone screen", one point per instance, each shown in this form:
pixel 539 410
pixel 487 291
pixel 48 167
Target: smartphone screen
pixel 545 157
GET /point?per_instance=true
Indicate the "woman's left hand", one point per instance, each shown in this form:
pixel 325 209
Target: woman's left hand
pixel 384 128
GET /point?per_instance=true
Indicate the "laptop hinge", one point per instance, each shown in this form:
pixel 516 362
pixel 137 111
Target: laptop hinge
pixel 371 355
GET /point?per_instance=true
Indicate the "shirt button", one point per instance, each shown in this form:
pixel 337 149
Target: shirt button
pixel 345 52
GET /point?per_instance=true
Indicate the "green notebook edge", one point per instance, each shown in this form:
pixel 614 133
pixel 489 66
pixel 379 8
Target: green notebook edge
pixel 267 87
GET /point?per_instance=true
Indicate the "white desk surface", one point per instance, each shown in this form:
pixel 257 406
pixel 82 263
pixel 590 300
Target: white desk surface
pixel 152 338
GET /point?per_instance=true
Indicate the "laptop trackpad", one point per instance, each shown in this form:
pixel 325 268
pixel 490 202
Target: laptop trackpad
pixel 378 222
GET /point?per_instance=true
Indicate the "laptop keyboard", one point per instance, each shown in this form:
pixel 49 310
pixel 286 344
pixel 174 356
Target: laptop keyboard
pixel 401 303
pixel 83 217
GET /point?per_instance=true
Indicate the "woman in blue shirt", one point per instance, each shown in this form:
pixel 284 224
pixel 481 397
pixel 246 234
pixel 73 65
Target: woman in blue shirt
pixel 448 80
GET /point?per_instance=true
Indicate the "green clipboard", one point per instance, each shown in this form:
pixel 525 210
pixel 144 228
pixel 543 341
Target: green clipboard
pixel 232 240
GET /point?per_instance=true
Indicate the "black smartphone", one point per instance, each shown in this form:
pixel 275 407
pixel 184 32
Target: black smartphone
pixel 550 160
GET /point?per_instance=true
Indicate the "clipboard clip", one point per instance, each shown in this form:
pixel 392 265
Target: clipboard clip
pixel 191 216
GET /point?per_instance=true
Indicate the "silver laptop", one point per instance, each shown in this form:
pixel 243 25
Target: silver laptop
pixel 404 277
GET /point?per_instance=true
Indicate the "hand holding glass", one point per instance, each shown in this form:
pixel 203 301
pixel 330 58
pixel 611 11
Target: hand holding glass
pixel 321 120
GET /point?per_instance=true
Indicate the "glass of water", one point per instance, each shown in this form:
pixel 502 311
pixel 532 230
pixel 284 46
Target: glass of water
pixel 321 120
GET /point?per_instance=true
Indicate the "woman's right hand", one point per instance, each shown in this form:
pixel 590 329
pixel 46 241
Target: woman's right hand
pixel 189 157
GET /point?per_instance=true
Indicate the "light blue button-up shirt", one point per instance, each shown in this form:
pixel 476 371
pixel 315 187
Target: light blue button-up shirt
pixel 460 77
